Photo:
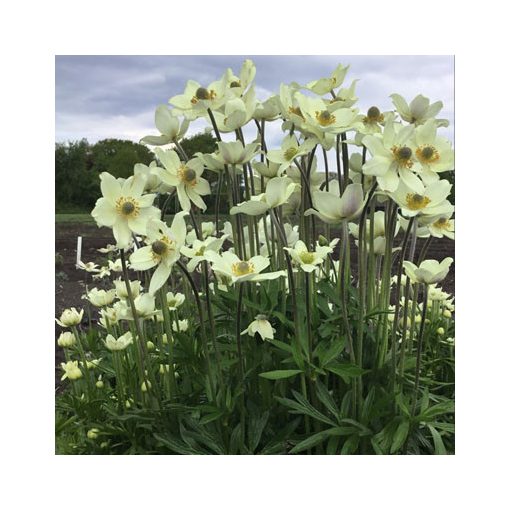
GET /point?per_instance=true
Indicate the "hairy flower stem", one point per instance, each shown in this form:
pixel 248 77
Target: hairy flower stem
pixel 79 345
pixel 240 356
pixel 338 167
pixel 214 125
pixel 212 394
pixel 396 316
pixel 217 204
pixel 345 160
pixel 141 344
pixel 169 336
pixel 419 350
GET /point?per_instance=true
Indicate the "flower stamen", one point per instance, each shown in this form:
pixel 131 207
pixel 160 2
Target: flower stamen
pixel 187 175
pixel 427 154
pixel 324 118
pixel 242 268
pixel 402 155
pixel 416 202
pixel 127 207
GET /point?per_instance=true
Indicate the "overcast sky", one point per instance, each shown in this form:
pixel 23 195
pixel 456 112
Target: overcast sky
pixel 101 97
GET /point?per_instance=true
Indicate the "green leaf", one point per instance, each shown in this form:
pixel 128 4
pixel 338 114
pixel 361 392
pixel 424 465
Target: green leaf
pixel 400 436
pixel 177 446
pixel 439 448
pixel 350 445
pixel 255 429
pixel 312 441
pixel 281 345
pixel 335 349
pixel 280 374
pixel 328 401
pixel 346 370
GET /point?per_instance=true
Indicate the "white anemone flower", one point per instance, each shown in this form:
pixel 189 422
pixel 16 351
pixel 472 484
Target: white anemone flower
pixel 162 250
pixel 124 208
pixel 419 110
pixel 290 150
pixel 261 326
pixel 333 209
pixel 268 169
pixel 423 200
pixel 236 86
pixel 70 317
pixel 174 301
pixel 434 153
pixel 326 85
pixel 208 228
pixel 392 156
pixel 108 317
pixel 441 225
pixel 196 253
pixel 168 125
pixel 66 339
pixel 71 371
pixel 308 261
pixel 107 249
pixel 379 232
pixel 121 290
pixel 180 325
pixel 278 192
pixel 90 267
pixel 235 153
pixel 186 177
pixel 230 265
pixel 145 306
pixel 119 344
pixel 100 297
pixel 197 99
pixel 237 112
pixel 268 109
pixel 429 271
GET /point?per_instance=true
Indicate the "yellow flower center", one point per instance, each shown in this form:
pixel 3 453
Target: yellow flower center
pixel 200 252
pixel 415 201
pixel 427 154
pixel 187 175
pixel 296 111
pixel 325 118
pixel 161 247
pixel 203 93
pixel 127 207
pixel 442 223
pixel 373 116
pixel 290 153
pixel 307 257
pixel 242 268
pixel 402 155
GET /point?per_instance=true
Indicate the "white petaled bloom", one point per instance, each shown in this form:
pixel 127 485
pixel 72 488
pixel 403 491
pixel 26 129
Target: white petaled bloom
pixel 208 228
pixel 196 253
pixel 289 105
pixel 234 153
pixel 108 317
pixel 419 110
pixel 70 317
pixel 261 326
pixel 212 161
pixel 422 231
pixel 345 97
pixel 90 267
pixel 121 289
pixel 180 325
pixel 91 364
pixel 437 294
pixel 124 208
pixel 162 250
pixel 197 99
pixel 119 344
pixel 268 109
pixel 236 86
pixel 169 127
pixel 107 249
pixel 237 112
pixel 278 192
pixel 379 232
pixel 230 265
pixel 326 85
pixel 268 169
pixel 332 209
pixel 392 156
pixel 186 177
pixel 434 153
pixel 71 371
pixel 321 118
pixel 116 265
pixel 290 150
pixel 101 297
pixel 102 273
pixel 174 301
pixel 145 306
pixel 429 271
pixel 371 121
pixel 308 261
pixel 153 183
pixel 66 339
pixel 442 225
pixel 423 200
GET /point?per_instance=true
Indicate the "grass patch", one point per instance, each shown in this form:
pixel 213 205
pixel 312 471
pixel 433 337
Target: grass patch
pixel 74 218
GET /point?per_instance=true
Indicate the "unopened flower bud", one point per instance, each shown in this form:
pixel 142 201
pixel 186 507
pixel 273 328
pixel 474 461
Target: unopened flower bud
pixel 93 433
pixel 323 241
pixel 447 314
pixel 145 386
pixel 440 331
pixel 99 384
pixel 66 339
pixel 150 346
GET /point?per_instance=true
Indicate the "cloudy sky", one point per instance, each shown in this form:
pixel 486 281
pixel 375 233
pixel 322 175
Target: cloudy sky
pixel 101 97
